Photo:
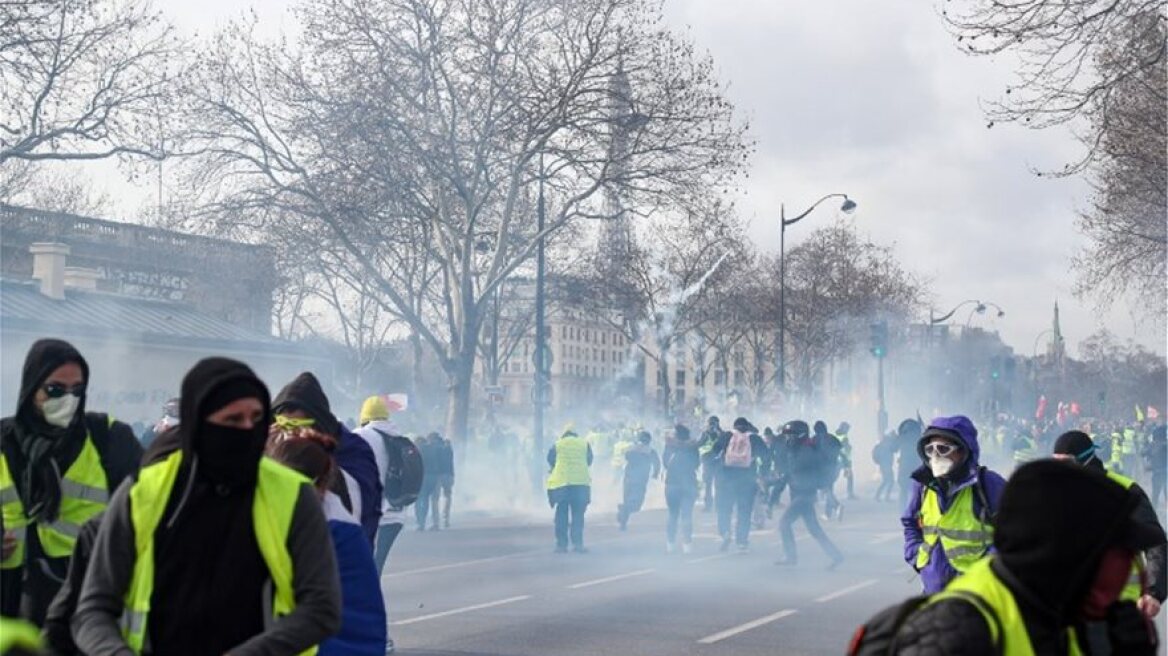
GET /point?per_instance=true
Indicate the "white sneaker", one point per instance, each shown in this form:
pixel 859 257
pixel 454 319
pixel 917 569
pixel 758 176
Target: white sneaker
pixel 669 547
pixel 686 547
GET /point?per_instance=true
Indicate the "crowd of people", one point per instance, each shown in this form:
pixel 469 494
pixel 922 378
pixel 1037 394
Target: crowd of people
pixel 1044 543
pixel 239 523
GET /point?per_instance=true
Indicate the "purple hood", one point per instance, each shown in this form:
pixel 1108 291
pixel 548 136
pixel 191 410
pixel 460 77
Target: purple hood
pixel 957 427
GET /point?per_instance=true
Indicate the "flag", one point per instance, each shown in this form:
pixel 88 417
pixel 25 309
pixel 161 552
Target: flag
pixel 1153 413
pixel 1075 408
pixel 397 402
pixel 1139 413
pixel 1041 411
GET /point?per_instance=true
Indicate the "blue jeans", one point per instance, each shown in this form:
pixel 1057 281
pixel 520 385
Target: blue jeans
pixel 570 502
pixel 680 500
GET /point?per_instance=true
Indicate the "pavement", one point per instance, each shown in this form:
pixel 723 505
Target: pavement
pixel 494 587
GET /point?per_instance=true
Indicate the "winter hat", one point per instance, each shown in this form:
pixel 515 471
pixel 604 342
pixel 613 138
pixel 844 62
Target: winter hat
pixel 820 428
pixel 1077 444
pixel 373 409
pixel 304 393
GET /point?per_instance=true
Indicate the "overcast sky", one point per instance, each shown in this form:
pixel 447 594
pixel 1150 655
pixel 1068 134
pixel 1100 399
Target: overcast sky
pixel 873 99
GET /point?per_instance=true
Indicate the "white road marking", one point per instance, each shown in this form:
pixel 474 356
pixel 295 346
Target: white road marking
pixel 705 558
pixel 464 609
pixel 464 563
pixel 846 591
pixel 743 628
pixel 609 579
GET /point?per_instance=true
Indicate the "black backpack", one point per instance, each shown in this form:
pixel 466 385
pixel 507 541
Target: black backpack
pixel 404 471
pixel 877 636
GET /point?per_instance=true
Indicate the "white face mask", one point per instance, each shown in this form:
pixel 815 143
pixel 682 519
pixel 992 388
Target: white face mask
pixel 59 412
pixel 940 466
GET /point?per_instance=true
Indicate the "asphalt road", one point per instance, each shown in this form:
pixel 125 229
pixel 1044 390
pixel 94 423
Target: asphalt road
pixel 493 586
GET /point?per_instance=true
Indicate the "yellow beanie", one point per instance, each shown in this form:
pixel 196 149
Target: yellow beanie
pixel 373 409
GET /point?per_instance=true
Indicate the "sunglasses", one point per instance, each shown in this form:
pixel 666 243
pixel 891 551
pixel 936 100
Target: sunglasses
pixel 941 449
pixel 57 390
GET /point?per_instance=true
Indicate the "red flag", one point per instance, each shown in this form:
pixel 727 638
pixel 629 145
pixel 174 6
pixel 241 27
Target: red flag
pixel 1153 413
pixel 1041 411
pixel 1075 408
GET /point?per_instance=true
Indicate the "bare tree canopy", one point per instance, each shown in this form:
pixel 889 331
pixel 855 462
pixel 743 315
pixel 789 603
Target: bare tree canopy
pixel 1126 220
pixel 414 137
pixel 84 79
pixel 1062 46
pixel 1099 67
pixel 837 282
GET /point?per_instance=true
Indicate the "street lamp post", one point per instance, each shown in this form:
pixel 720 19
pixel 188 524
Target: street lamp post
pixel 847 207
pixel 979 308
pixel 540 329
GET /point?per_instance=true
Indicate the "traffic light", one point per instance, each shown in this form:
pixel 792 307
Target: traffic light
pixel 995 367
pixel 879 339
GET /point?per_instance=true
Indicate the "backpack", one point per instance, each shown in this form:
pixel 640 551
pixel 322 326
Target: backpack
pixel 738 452
pixel 877 636
pixel 404 471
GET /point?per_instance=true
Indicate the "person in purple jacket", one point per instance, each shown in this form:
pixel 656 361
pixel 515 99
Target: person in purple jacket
pixel 948 521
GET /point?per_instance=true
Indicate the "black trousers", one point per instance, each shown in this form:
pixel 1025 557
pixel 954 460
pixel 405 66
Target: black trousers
pixel 736 491
pixel 803 507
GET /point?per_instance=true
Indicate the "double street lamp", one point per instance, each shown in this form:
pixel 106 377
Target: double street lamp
pixel 847 207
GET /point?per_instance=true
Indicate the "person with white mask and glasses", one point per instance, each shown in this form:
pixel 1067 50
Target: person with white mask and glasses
pixel 948 521
pixel 58 466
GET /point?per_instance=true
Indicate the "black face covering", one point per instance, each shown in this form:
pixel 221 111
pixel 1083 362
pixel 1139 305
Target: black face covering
pixel 230 456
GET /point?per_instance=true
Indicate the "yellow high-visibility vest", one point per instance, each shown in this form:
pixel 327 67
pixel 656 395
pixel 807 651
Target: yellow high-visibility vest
pixel 571 466
pixel 981 587
pixel 277 491
pixel 84 493
pixel 962 535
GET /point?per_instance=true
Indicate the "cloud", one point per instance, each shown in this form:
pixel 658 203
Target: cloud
pixel 873 99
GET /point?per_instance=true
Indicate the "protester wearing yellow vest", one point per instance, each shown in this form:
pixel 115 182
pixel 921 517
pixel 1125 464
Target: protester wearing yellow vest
pixel 948 522
pixel 58 467
pixel 214 549
pixel 569 487
pixel 1063 542
pixel 1148 582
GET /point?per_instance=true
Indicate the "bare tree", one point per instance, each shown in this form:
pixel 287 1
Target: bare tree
pixel 1126 219
pixel 675 262
pixel 398 121
pixel 1061 44
pixel 84 79
pixel 53 190
pixel 837 283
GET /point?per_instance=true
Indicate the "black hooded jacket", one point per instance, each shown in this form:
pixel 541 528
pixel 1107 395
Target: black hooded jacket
pixel 1054 524
pixel 207 558
pixel 38 454
pixel 353 454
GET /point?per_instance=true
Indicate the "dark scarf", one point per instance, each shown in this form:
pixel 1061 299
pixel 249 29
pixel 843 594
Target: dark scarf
pixel 41 453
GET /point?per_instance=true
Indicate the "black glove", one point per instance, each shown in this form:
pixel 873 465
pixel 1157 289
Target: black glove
pixel 1129 631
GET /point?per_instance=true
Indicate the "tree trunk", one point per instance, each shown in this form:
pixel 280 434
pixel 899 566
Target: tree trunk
pixel 458 399
pixel 416 343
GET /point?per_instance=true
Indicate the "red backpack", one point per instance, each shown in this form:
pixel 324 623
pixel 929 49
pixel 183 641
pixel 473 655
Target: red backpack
pixel 738 451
